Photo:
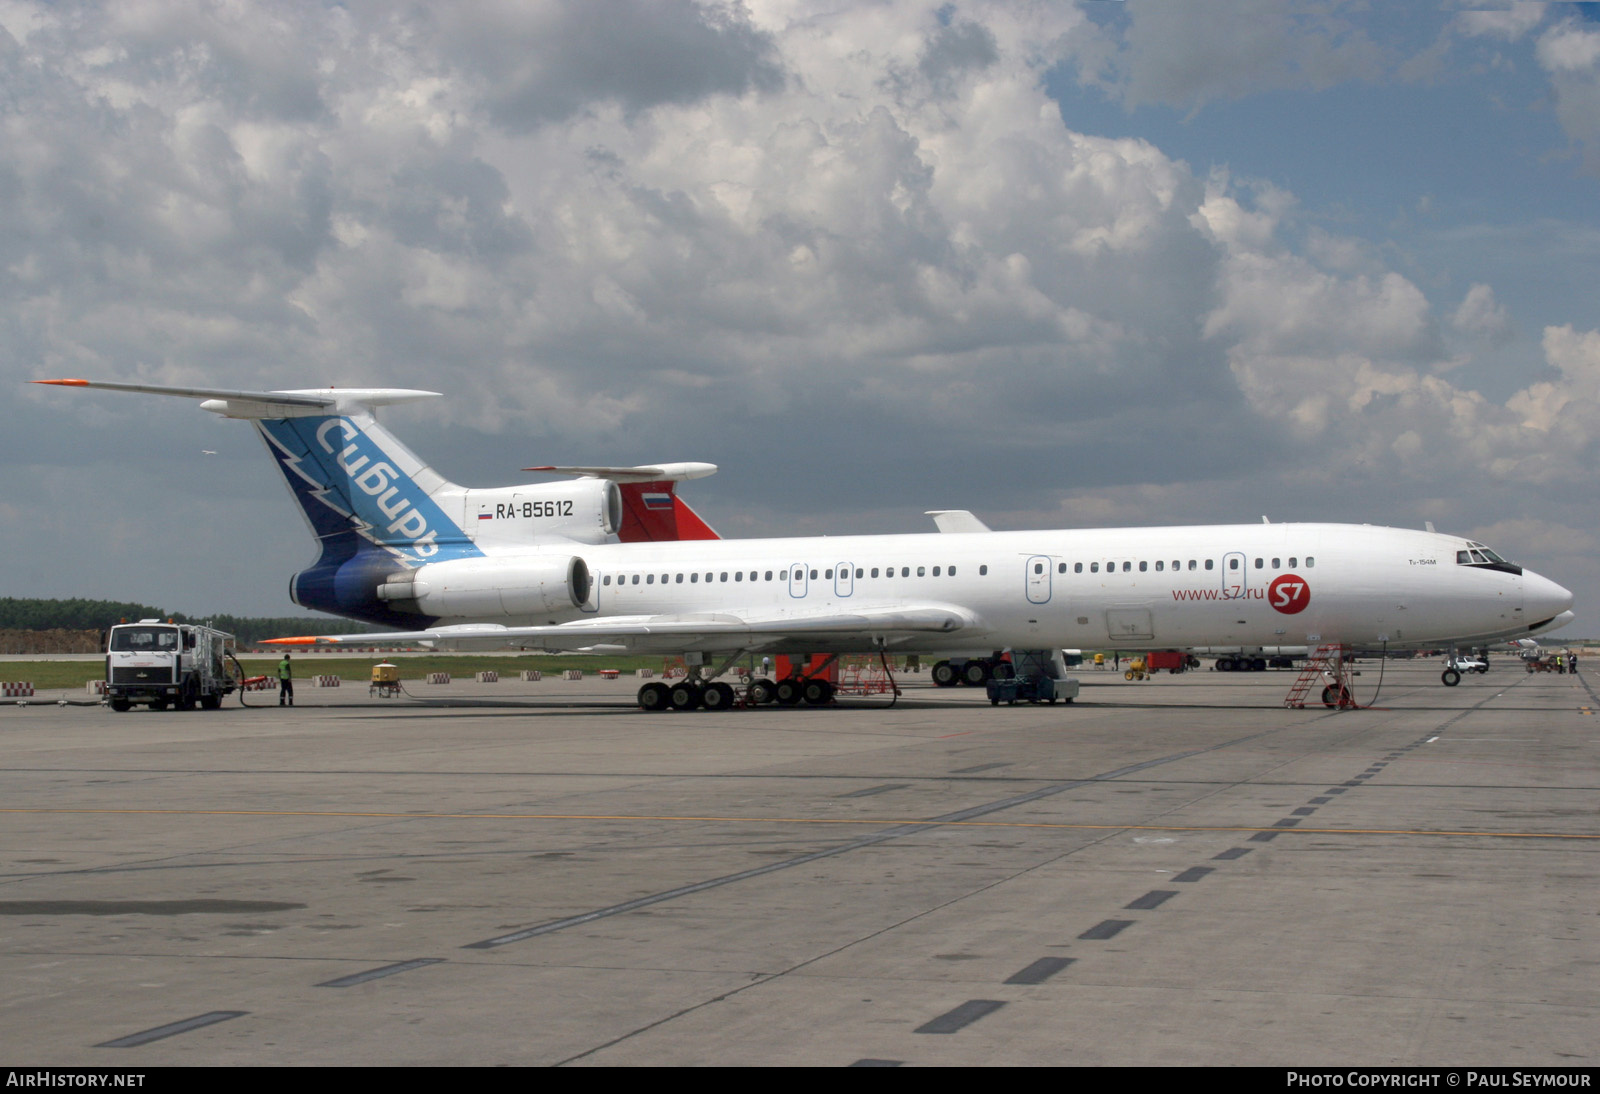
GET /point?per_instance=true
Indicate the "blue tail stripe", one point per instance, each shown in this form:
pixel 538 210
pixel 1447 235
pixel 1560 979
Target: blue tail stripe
pixel 345 483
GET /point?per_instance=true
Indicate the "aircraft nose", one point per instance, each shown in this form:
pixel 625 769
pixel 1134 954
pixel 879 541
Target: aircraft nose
pixel 1542 599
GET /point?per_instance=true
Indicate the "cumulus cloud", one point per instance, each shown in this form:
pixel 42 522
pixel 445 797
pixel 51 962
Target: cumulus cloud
pixel 1481 316
pixel 859 240
pixel 1508 22
pixel 1570 53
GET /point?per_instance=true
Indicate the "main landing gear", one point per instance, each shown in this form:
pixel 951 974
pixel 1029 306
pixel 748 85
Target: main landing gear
pixel 970 672
pixel 692 693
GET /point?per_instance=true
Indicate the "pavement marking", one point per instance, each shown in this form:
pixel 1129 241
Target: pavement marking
pixel 1195 873
pixel 871 790
pixel 872 1061
pixel 963 1016
pixel 935 822
pixel 1232 853
pixel 1155 898
pixel 1040 971
pixel 380 972
pixel 172 1029
pixel 980 767
pixel 1106 928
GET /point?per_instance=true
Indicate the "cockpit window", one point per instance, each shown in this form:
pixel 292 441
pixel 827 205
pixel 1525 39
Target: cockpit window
pixel 1477 555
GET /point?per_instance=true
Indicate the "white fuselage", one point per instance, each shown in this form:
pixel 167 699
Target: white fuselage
pixel 1131 588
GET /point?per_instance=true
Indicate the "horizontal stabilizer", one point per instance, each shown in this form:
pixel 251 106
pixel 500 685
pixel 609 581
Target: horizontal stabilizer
pixel 666 472
pixel 267 404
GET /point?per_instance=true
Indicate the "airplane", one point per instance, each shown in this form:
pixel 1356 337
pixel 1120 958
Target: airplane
pixel 542 566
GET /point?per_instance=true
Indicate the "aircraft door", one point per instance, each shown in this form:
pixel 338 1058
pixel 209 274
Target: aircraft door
pixel 797 580
pixel 1037 579
pixel 1233 575
pixel 843 580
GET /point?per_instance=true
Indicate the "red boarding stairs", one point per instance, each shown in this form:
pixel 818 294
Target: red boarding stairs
pixel 1329 666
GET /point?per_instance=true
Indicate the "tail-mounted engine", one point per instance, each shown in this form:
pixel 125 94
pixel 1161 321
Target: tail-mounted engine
pixel 545 589
pixel 584 510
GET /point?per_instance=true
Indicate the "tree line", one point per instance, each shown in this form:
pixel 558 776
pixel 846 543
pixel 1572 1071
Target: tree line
pixel 79 614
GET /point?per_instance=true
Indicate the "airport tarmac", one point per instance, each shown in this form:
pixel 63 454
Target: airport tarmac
pixel 1172 872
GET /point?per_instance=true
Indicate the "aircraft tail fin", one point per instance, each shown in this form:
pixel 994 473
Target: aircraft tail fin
pixel 372 504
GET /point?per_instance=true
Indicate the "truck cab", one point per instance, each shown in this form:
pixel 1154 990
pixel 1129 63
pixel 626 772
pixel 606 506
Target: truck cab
pixel 160 664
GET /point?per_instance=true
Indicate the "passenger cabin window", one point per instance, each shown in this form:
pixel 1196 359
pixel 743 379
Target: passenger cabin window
pixel 1144 567
pixel 1208 564
pixel 1094 567
pixel 983 571
pixel 1293 562
pixel 1260 563
pixel 1233 564
pixel 1275 564
pixel 951 571
pixel 1310 562
pixel 1159 565
pixel 1077 567
pixel 1126 567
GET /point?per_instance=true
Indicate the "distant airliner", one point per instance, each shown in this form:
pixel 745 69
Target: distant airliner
pixel 545 566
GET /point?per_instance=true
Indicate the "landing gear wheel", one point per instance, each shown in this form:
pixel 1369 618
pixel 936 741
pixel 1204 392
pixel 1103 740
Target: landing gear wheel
pixel 945 675
pixel 1336 697
pixel 817 693
pixel 763 692
pixel 787 692
pixel 686 696
pixel 717 696
pixel 975 674
pixel 654 697
pixel 1450 678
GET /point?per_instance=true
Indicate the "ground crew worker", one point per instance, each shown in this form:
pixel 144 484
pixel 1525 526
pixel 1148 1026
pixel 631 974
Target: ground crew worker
pixel 285 682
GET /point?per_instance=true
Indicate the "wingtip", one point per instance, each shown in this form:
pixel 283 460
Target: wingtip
pixel 306 641
pixel 62 383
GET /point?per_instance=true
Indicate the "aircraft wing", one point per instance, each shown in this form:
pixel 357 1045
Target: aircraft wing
pixel 869 629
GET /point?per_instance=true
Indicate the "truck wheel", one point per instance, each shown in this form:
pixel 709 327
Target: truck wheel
pixel 210 702
pixel 158 704
pixel 122 706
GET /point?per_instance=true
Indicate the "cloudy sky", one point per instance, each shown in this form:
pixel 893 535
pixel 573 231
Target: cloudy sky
pixel 1062 264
